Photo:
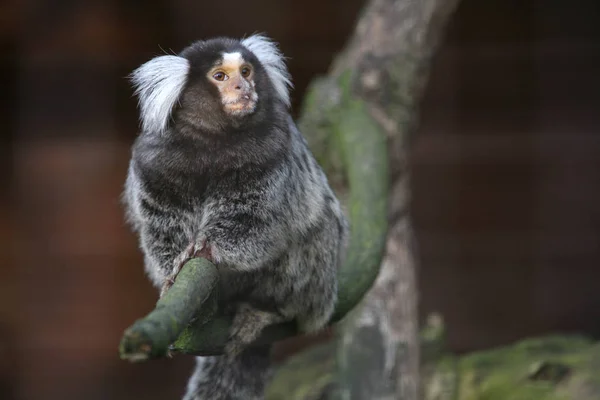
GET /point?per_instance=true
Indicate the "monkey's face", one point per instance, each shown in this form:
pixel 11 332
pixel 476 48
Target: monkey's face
pixel 234 78
pixel 213 85
pixel 227 86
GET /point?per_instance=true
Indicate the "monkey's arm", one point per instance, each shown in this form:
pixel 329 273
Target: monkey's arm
pixel 166 246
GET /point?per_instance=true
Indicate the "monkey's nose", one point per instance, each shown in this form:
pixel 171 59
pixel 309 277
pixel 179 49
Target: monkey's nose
pixel 238 87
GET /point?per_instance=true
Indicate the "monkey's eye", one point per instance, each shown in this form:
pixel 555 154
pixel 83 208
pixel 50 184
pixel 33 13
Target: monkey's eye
pixel 220 76
pixel 246 71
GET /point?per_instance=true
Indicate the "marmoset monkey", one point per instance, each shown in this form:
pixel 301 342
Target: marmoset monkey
pixel 221 171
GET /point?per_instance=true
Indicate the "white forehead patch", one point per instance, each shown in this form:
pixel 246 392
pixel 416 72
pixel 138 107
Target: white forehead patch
pixel 271 58
pixel 158 84
pixel 233 58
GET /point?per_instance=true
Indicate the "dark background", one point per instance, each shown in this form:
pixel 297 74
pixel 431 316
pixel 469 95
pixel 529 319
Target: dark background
pixel 506 175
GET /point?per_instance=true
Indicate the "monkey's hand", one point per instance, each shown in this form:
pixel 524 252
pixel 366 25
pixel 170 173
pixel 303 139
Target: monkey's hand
pixel 199 248
pixel 247 325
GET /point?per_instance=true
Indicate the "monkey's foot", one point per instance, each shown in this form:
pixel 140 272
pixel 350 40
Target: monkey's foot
pixel 179 262
pixel 247 325
pixel 191 251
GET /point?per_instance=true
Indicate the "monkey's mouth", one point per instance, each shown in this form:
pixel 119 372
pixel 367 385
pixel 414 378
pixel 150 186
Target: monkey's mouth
pixel 242 105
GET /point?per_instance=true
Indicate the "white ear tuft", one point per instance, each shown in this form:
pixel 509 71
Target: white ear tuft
pixel 158 84
pixel 271 58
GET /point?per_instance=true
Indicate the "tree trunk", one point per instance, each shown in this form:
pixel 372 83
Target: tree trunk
pixel 387 61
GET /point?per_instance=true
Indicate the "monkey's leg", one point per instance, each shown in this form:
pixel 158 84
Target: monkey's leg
pixel 191 251
pixel 247 325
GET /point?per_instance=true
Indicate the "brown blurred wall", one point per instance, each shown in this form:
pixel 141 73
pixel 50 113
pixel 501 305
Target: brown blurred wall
pixel 507 173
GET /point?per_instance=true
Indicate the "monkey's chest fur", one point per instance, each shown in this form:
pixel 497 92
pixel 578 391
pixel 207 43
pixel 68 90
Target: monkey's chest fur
pixel 268 201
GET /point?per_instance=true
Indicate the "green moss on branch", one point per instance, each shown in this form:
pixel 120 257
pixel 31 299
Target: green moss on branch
pixel 364 150
pixel 545 368
pixel 193 295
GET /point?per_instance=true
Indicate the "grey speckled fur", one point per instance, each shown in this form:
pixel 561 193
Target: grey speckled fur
pixel 244 190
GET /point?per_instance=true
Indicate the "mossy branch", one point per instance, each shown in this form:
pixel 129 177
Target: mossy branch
pixel 187 313
pixel 193 295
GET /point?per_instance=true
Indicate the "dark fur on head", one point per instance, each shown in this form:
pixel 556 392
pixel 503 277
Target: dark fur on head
pixel 200 108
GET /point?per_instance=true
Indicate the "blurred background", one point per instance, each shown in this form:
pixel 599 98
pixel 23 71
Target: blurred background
pixel 506 179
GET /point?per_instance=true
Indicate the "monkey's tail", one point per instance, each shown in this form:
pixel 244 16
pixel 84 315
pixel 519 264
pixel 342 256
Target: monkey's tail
pixel 242 378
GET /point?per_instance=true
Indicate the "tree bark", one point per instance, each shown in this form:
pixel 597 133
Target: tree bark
pixel 387 61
